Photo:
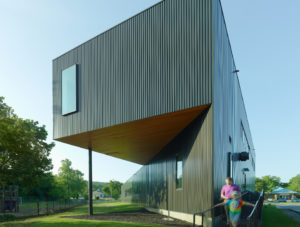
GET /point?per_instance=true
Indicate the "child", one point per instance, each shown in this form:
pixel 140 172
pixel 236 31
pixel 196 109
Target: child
pixel 235 207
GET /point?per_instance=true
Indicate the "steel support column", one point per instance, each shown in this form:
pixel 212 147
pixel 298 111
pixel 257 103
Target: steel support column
pixel 90 182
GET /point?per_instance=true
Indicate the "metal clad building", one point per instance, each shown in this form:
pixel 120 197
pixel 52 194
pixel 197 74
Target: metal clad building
pixel 160 89
pixel 156 62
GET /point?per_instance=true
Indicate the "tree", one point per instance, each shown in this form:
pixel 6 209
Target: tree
pixel 260 185
pixel 98 185
pixel 71 179
pixel 113 189
pixel 294 183
pixel 116 189
pixel 284 185
pixel 44 188
pixel 106 190
pixel 24 152
pixel 267 183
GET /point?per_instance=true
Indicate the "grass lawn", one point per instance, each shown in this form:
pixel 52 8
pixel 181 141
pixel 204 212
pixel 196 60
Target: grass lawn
pixel 273 217
pixel 57 221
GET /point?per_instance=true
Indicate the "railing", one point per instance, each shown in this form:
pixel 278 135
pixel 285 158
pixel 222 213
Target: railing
pixel 202 213
pixel 255 217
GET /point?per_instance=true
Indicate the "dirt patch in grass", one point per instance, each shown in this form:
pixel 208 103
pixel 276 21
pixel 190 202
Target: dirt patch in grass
pixel 138 216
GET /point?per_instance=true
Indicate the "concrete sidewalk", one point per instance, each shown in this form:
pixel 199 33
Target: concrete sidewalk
pixel 292 214
pixel 290 209
pixel 289 206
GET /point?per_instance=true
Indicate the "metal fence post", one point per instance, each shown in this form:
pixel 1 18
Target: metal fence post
pixel 38 208
pixel 47 208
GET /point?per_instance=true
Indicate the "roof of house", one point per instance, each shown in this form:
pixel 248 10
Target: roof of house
pixel 280 190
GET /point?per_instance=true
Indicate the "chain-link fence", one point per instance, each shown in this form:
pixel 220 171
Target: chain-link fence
pixel 29 207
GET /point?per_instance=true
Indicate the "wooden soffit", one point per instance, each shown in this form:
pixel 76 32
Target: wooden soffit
pixel 137 141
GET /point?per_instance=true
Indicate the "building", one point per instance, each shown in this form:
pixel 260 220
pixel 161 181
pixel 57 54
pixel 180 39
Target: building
pixel 284 193
pixel 160 89
pixel 98 194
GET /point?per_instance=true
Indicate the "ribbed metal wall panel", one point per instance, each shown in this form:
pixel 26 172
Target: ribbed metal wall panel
pixel 229 110
pixel 205 165
pixel 154 185
pixel 156 62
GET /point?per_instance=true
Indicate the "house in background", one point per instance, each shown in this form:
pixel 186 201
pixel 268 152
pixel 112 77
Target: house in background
pixel 284 193
pixel 160 89
pixel 98 194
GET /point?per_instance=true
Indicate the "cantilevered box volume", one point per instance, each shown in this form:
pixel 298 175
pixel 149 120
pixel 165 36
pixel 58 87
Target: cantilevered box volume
pixel 160 89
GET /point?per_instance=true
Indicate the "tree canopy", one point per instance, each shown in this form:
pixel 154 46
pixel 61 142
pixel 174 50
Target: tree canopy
pixel 294 184
pixel 24 151
pixel 72 179
pixel 113 189
pixel 267 183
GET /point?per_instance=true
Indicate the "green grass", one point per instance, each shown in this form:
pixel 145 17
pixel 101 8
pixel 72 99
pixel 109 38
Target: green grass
pixel 273 217
pixel 57 220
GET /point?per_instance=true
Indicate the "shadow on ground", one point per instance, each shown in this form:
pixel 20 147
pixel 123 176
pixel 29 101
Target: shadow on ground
pixel 132 216
pixel 79 224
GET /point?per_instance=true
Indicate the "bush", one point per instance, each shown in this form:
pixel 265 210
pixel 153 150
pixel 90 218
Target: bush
pixel 7 217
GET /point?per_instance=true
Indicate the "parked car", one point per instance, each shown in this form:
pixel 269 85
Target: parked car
pixel 295 200
pixel 270 199
pixel 281 200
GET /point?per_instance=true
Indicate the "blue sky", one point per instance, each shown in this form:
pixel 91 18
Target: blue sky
pixel 265 41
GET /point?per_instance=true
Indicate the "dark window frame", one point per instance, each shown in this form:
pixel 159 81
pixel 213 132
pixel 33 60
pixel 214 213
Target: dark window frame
pixel 179 181
pixel 76 90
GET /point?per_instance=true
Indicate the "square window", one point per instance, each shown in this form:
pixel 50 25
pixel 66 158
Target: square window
pixel 69 90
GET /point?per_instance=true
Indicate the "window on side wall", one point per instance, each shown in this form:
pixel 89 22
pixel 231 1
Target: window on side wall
pixel 69 90
pixel 179 167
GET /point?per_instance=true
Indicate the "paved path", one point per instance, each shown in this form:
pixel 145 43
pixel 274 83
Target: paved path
pixel 292 214
pixel 290 206
pixel 291 209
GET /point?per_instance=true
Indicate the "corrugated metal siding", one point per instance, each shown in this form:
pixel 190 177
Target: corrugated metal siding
pixel 204 172
pixel 149 186
pixel 229 109
pixel 157 62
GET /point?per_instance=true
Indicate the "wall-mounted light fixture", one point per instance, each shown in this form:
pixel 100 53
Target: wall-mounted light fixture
pixel 240 156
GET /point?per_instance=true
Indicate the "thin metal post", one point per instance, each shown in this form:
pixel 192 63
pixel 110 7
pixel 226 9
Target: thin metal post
pixel 47 208
pixel 229 164
pixel 194 220
pixel 90 182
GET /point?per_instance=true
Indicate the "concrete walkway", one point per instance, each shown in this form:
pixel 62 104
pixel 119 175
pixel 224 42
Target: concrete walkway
pixel 291 209
pixel 292 214
pixel 289 206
